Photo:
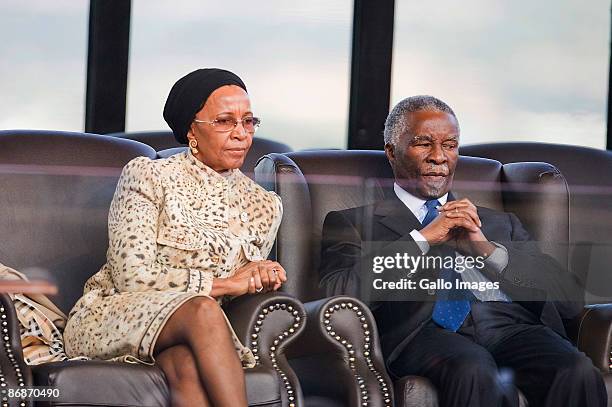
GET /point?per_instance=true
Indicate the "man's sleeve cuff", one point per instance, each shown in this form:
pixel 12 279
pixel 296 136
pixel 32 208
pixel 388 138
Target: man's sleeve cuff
pixel 420 241
pixel 498 260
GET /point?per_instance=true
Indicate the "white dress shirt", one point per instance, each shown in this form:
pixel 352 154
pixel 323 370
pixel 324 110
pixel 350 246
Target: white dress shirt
pixel 497 260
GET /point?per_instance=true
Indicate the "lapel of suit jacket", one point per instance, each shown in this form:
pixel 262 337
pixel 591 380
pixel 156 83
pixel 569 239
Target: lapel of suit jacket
pixel 397 217
pixel 394 215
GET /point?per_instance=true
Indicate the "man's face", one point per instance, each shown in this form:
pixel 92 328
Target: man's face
pixel 424 162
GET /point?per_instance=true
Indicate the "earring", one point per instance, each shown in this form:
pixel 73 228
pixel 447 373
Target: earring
pixel 193 144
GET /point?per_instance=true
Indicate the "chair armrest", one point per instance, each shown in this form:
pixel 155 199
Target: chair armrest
pixel 594 335
pixel 13 370
pixel 267 324
pixel 342 334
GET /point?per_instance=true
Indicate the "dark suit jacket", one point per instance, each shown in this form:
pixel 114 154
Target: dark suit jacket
pixel 530 274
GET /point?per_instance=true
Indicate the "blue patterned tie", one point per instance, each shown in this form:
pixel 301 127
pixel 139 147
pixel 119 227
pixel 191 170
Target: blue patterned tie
pixel 452 306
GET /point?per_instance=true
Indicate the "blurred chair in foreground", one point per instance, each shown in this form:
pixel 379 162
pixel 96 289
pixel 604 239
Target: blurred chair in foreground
pixel 587 171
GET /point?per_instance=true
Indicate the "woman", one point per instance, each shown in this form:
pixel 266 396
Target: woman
pixel 185 232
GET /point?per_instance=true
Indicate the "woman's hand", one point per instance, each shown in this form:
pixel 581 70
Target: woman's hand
pixel 252 278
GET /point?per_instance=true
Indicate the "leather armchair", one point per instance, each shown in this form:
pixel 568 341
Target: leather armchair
pixel 56 192
pixel 590 192
pixel 314 183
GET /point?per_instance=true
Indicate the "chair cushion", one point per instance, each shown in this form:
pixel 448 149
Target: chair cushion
pixel 263 387
pixel 99 383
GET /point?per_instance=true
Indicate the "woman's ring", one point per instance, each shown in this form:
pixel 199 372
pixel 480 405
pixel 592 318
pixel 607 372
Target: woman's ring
pixel 456 210
pixel 258 290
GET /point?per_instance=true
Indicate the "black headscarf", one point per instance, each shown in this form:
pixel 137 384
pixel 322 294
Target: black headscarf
pixel 189 94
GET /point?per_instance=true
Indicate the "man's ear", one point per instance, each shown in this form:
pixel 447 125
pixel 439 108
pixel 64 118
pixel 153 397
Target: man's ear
pixel 390 152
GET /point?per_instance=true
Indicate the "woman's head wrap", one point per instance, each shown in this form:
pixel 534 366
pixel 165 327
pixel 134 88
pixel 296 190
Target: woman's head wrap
pixel 189 94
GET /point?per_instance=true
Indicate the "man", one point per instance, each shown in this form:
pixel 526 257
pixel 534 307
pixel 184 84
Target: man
pixel 472 345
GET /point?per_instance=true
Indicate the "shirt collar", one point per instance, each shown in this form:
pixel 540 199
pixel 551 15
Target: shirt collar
pixel 414 203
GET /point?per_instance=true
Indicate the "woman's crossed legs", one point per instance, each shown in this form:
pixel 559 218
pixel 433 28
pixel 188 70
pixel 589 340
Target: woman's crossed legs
pixel 196 353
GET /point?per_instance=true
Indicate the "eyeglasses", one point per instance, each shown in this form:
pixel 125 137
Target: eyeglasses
pixel 250 124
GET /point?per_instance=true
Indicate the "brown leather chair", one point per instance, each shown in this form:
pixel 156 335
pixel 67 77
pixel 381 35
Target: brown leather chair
pixel 166 145
pixel 314 183
pixel 56 189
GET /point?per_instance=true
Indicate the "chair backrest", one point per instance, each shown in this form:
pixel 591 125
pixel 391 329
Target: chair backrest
pixel 157 139
pixel 590 186
pixel 165 144
pixel 313 183
pixel 55 193
pixel 259 148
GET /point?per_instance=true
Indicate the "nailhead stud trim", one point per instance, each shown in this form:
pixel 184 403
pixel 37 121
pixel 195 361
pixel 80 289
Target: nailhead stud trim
pixel 384 389
pixel 255 347
pixel 11 357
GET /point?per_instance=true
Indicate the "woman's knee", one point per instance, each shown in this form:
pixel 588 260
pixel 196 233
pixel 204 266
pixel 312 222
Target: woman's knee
pixel 191 322
pixel 205 310
pixel 199 311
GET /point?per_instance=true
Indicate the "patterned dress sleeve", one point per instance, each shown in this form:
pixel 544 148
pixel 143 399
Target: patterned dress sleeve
pixel 132 229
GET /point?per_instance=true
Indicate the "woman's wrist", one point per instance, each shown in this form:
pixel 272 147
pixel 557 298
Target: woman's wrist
pixel 221 286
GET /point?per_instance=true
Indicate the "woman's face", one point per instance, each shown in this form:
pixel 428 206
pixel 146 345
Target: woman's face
pixel 223 150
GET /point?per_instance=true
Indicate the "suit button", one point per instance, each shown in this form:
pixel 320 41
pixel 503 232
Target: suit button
pixel 216 259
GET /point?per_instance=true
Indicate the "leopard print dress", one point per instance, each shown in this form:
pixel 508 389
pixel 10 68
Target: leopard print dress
pixel 174 225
